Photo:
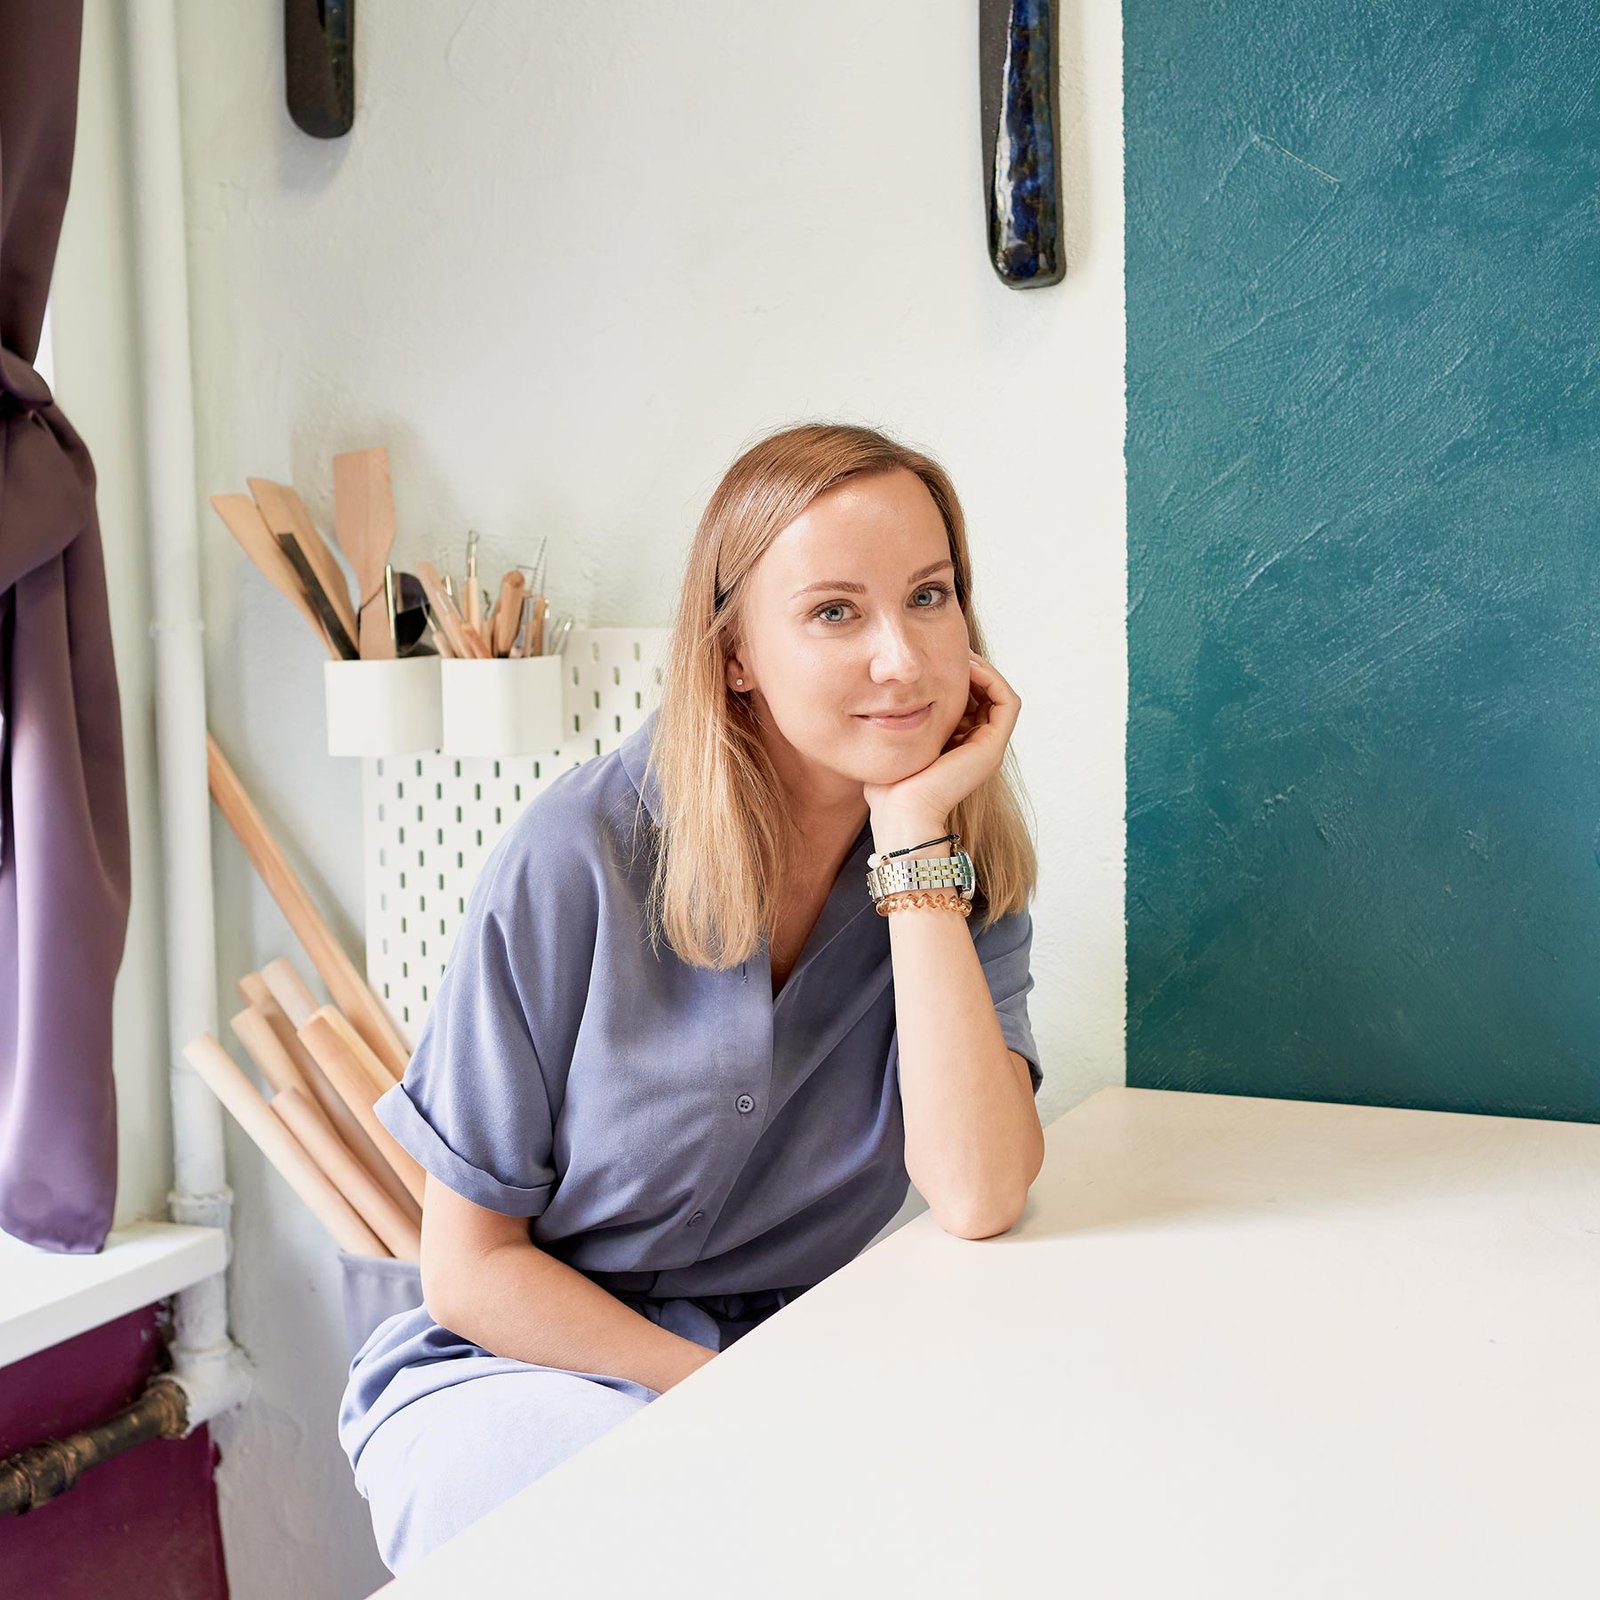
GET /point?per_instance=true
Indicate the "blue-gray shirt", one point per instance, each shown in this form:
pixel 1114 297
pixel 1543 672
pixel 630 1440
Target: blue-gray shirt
pixel 669 1129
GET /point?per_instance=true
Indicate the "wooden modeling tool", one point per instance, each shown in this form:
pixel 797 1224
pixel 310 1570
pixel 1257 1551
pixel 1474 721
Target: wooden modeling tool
pixel 245 522
pixel 284 512
pixel 363 510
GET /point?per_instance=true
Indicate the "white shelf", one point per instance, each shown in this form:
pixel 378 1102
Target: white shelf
pixel 46 1297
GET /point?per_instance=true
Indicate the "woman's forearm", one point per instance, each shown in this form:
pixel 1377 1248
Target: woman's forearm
pixel 519 1301
pixel 973 1139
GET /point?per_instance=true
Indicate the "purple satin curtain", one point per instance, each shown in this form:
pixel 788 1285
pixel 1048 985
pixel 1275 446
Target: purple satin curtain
pixel 63 801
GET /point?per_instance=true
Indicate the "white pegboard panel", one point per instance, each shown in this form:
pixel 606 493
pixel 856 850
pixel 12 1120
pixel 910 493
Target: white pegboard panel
pixel 430 820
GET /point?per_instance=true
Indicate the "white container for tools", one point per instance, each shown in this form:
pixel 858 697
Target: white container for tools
pixel 382 708
pixel 503 708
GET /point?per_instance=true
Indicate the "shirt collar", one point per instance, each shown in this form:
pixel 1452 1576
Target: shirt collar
pixel 635 753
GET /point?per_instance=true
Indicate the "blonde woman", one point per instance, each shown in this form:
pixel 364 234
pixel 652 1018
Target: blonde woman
pixel 685 1059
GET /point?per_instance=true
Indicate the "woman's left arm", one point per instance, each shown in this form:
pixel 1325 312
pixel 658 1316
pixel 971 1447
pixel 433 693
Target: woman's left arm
pixel 973 1139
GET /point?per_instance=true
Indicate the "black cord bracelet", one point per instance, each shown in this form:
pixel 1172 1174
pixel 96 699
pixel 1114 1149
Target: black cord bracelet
pixel 949 838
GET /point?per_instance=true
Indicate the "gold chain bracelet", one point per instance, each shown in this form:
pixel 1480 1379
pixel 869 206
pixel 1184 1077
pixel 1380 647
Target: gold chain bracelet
pixel 905 899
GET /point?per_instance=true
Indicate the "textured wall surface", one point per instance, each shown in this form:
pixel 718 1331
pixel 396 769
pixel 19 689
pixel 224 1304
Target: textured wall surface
pixel 1363 246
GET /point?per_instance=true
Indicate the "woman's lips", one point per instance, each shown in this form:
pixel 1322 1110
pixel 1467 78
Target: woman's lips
pixel 912 719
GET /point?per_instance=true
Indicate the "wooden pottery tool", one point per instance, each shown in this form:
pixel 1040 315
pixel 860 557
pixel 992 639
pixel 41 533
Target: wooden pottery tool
pixel 363 510
pixel 462 640
pixel 507 613
pixel 321 603
pixel 473 609
pixel 285 512
pixel 245 522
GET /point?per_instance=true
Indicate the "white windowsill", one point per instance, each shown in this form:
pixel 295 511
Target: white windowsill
pixel 46 1297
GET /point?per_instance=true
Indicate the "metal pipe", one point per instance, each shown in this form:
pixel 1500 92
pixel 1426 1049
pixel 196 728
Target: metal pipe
pixel 43 1471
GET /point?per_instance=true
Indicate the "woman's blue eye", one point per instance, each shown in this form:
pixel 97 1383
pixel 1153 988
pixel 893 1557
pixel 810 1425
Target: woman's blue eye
pixel 941 592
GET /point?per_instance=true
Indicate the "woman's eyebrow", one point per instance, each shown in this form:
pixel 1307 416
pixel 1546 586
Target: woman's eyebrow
pixel 861 588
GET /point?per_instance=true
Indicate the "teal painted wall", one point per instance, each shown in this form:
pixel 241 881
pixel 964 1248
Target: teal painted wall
pixel 1363 283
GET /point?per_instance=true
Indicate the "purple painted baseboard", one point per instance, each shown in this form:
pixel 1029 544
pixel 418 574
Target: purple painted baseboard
pixel 144 1523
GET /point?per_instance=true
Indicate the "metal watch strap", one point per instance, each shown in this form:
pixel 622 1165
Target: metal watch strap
pixel 886 876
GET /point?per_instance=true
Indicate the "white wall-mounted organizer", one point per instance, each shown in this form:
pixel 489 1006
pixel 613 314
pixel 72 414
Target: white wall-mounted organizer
pixel 430 817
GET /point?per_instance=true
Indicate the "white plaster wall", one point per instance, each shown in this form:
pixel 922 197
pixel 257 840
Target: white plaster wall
pixel 570 259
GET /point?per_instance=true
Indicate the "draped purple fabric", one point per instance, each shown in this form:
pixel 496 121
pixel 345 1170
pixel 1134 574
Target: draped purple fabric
pixel 64 867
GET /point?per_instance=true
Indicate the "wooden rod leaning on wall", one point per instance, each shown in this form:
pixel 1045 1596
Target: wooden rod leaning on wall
pixel 252 988
pixel 335 1058
pixel 289 989
pixel 348 1176
pixel 281 1148
pixel 346 985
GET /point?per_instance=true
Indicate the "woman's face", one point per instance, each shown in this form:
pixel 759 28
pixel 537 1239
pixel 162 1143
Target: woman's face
pixel 852 610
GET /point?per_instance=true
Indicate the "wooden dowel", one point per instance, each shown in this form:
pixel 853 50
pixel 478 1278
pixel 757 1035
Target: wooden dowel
pixel 254 989
pixel 289 989
pixel 348 1176
pixel 281 1148
pixel 273 1062
pixel 357 1046
pixel 357 1092
pixel 350 992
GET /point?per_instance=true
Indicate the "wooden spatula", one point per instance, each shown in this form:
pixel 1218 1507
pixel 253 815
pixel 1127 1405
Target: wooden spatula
pixel 247 525
pixel 363 515
pixel 285 512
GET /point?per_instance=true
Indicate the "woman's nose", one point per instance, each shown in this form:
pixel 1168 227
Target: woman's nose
pixel 895 654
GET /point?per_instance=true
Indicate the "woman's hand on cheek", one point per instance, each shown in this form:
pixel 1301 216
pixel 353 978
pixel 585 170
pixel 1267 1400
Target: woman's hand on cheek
pixel 971 755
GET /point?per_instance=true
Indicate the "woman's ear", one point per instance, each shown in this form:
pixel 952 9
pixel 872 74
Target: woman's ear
pixel 738 679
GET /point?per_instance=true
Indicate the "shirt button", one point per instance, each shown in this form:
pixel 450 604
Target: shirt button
pixel 745 1103
pixel 697 1219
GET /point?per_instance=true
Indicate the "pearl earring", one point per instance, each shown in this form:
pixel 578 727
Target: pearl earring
pixel 739 682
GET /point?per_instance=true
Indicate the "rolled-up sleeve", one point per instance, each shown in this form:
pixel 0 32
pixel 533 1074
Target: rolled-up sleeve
pixel 1005 949
pixel 476 1104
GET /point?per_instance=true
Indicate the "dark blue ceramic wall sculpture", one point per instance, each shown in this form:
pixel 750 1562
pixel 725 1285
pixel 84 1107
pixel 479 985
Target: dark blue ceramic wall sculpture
pixel 1017 65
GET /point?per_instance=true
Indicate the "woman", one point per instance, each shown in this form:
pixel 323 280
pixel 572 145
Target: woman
pixel 678 1070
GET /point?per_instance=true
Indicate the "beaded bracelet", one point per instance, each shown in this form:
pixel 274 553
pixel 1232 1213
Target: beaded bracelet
pixel 905 899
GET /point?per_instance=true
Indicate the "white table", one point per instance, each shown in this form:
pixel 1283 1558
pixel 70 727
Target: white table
pixel 1235 1347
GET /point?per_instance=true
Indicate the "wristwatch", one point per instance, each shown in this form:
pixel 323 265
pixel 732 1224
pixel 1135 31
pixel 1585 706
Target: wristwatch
pixel 885 876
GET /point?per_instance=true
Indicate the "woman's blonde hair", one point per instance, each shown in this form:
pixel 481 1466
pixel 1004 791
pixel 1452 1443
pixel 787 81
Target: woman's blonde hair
pixel 726 845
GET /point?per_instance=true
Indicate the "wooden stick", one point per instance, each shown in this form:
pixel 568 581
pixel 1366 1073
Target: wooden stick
pixel 254 992
pixel 284 511
pixel 273 1062
pixel 253 988
pixel 289 989
pixel 355 1089
pixel 248 526
pixel 337 971
pixel 377 1074
pixel 281 1148
pixel 348 1176
pixel 463 640
pixel 507 613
